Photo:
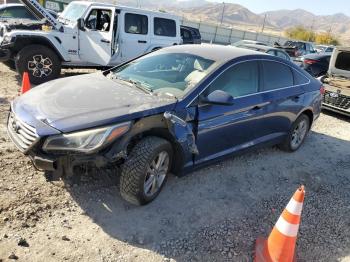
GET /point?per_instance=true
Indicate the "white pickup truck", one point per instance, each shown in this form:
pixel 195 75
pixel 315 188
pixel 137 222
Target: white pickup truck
pixel 86 34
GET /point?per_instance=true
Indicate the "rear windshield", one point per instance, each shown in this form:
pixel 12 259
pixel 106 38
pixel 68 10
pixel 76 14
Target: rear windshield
pixel 343 61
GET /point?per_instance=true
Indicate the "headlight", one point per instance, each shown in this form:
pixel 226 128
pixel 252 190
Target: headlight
pixel 86 141
pixel 7 39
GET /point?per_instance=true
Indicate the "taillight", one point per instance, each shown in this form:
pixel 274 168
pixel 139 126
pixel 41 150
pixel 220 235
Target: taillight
pixel 322 90
pixel 310 61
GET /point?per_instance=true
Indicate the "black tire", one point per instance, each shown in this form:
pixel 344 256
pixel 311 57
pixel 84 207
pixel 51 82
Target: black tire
pixel 28 53
pixel 134 170
pixel 287 144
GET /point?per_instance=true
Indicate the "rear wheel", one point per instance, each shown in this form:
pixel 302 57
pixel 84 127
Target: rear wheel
pixel 297 134
pixel 41 63
pixel 146 170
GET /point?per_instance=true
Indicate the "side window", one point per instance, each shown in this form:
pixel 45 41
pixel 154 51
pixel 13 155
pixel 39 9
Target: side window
pixel 271 52
pixel 343 61
pixel 185 34
pixel 99 20
pixel 276 75
pixel 164 27
pixel 136 24
pixel 299 78
pixel 239 80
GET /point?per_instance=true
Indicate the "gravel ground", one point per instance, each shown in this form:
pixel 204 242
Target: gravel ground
pixel 213 214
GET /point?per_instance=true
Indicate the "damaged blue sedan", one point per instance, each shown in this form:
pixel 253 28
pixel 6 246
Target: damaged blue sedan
pixel 165 112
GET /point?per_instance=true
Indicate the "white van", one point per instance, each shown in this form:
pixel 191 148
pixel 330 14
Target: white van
pixel 86 34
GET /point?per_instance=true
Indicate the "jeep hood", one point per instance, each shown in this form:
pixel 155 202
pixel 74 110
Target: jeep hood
pixel 87 101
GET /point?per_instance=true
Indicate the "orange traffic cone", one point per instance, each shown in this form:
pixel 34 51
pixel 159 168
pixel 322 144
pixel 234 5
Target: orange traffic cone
pixel 280 245
pixel 25 83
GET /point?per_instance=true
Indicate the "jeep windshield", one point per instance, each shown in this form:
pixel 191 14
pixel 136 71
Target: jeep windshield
pixel 73 12
pixel 173 74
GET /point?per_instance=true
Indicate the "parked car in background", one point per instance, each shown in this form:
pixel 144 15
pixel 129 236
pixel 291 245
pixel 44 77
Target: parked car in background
pixel 252 42
pixel 268 50
pixel 316 64
pixel 337 82
pixel 324 49
pixel 190 35
pixel 171 110
pixel 18 11
pixel 86 34
pixel 296 49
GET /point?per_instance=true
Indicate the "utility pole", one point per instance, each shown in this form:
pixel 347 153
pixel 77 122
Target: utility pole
pixel 263 26
pixel 223 12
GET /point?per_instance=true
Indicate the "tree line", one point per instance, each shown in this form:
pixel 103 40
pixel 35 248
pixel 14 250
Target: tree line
pixel 301 33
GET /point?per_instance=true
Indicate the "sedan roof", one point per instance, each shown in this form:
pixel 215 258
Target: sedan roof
pixel 218 53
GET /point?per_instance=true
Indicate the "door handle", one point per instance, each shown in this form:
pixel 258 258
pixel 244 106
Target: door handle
pixel 142 41
pixel 259 106
pixel 256 108
pixel 296 98
pixel 105 41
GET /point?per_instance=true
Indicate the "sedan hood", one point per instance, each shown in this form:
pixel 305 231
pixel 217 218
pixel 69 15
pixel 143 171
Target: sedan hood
pixel 86 101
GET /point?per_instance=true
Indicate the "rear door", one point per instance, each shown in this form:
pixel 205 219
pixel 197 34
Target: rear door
pixel 135 35
pixel 96 41
pixel 223 129
pixel 282 90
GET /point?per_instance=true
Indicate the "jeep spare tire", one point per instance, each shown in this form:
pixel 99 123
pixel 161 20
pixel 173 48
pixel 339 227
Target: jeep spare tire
pixel 41 63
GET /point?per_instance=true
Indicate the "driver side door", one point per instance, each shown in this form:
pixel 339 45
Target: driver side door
pixel 96 41
pixel 223 129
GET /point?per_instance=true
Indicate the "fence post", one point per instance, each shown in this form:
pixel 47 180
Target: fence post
pixel 229 39
pixel 216 31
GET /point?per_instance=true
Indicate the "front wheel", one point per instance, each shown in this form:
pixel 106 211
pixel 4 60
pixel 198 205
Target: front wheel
pixel 146 170
pixel 41 63
pixel 297 134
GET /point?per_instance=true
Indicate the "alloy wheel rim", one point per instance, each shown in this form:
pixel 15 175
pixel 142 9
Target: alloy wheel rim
pixel 299 134
pixel 156 173
pixel 40 66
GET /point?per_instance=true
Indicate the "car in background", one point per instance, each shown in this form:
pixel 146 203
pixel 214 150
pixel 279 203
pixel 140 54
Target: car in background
pixel 296 49
pixel 86 34
pixel 168 111
pixel 18 11
pixel 268 50
pixel 316 64
pixel 337 82
pixel 190 35
pixel 252 42
pixel 324 48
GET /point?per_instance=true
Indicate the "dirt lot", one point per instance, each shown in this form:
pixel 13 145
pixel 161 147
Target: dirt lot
pixel 213 214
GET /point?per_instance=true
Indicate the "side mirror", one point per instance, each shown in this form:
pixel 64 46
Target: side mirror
pixel 218 97
pixel 81 24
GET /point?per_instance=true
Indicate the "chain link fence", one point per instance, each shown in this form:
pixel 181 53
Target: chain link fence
pixel 224 35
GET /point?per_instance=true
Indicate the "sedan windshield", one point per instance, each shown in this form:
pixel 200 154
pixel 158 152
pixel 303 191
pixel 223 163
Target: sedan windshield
pixel 173 74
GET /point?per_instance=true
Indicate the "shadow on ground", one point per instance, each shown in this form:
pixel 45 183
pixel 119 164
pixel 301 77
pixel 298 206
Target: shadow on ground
pixel 217 212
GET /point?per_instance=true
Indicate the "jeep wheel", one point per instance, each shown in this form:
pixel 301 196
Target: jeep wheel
pixel 297 134
pixel 145 171
pixel 41 63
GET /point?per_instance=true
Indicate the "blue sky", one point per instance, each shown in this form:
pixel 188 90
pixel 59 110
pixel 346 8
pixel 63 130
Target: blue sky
pixel 321 7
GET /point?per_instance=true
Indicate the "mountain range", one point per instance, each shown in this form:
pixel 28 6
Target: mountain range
pixel 236 15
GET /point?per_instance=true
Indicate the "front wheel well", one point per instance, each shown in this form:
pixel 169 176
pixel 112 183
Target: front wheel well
pixel 23 42
pixel 164 133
